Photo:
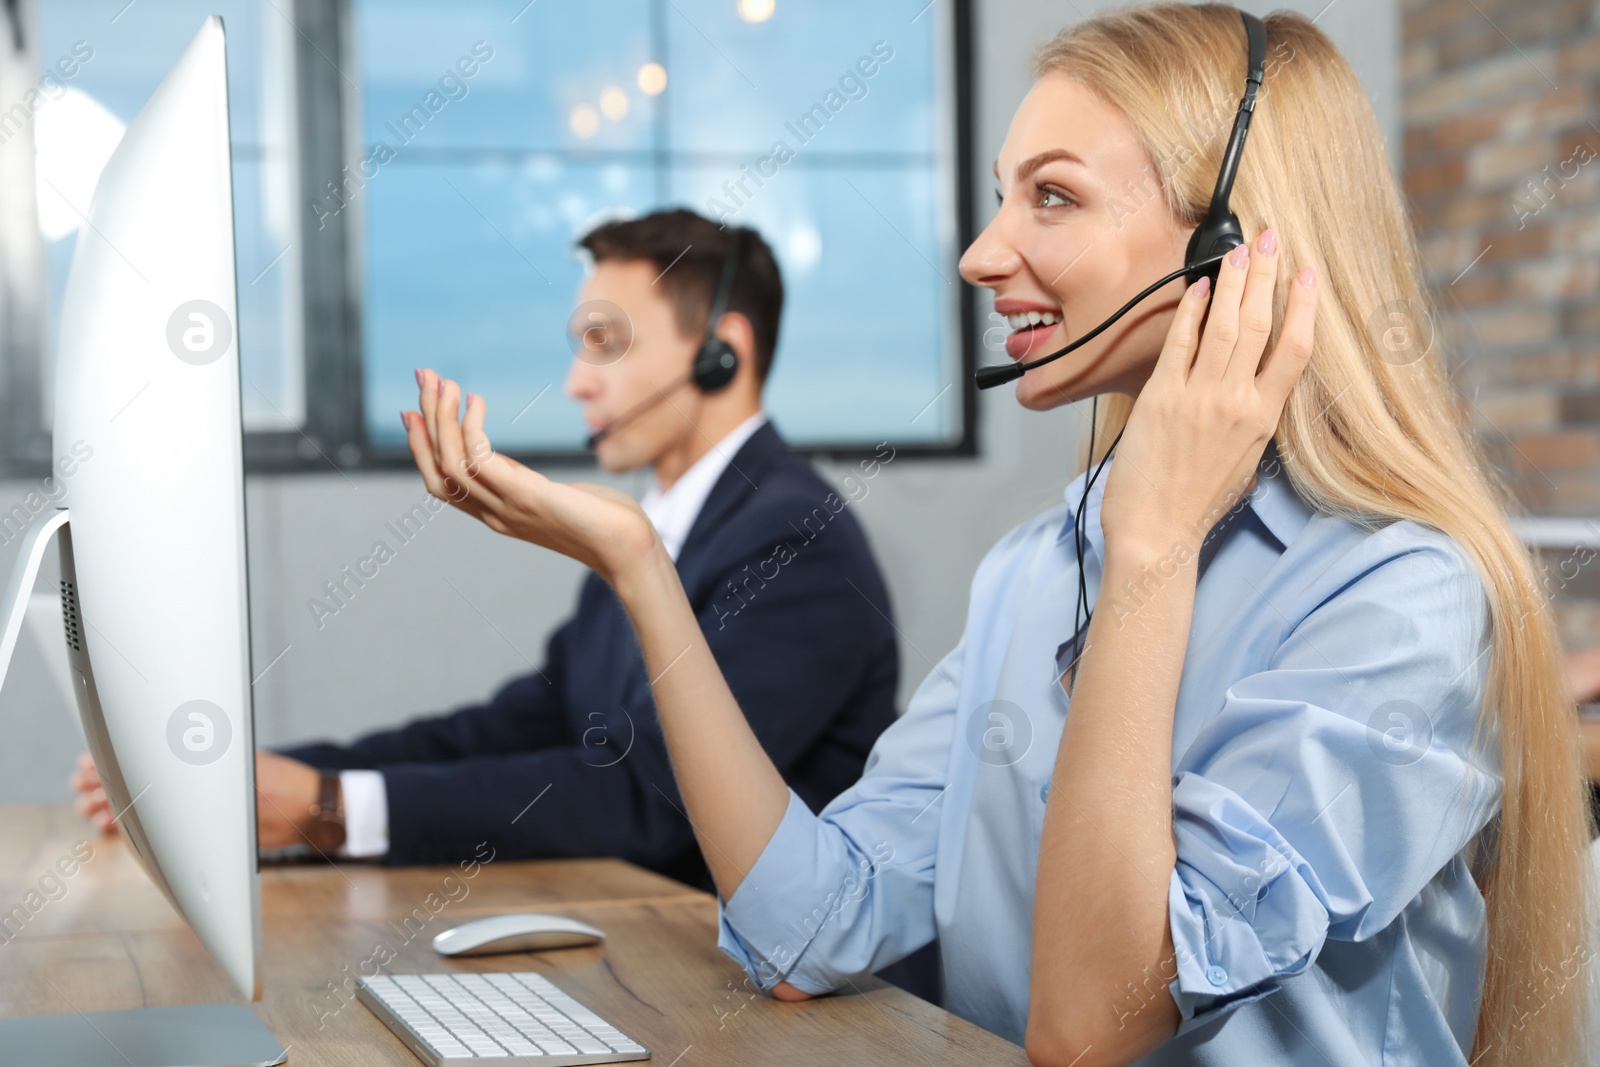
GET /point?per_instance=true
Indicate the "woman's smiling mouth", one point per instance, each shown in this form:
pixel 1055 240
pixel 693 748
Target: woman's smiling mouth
pixel 1031 326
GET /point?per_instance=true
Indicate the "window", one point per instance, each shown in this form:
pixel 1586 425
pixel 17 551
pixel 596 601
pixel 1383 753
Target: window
pixel 828 126
pixel 117 54
pixel 410 178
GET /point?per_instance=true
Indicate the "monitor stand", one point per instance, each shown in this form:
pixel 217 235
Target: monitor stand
pixel 198 1035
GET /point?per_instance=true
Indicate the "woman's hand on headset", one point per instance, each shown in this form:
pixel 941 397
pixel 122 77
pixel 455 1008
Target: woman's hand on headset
pixel 598 526
pixel 1202 421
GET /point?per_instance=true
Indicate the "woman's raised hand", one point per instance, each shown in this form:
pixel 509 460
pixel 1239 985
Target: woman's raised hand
pixel 1202 421
pixel 734 794
pixel 599 527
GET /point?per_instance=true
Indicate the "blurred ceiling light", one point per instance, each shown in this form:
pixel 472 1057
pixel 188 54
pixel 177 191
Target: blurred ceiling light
pixel 804 247
pixel 614 104
pixel 756 10
pixel 585 121
pixel 652 79
pixel 73 136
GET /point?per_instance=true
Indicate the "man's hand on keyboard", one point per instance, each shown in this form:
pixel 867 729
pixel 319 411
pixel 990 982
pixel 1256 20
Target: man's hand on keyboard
pixel 286 789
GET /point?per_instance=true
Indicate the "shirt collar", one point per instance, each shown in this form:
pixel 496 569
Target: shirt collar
pixel 673 511
pixel 1273 501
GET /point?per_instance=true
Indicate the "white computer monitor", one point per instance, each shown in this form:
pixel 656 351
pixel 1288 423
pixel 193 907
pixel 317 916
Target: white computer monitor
pixel 153 583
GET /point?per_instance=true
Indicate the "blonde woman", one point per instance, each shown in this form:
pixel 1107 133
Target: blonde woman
pixel 1309 793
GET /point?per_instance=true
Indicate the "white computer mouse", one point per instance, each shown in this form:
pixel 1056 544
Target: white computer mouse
pixel 515 933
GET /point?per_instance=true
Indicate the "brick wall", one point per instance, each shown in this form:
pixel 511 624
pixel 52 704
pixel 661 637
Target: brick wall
pixel 1502 170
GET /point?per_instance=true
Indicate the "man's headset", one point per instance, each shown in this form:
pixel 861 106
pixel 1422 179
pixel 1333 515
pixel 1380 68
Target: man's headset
pixel 1218 233
pixel 715 364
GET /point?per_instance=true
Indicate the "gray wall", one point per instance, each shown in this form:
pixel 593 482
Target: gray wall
pixel 459 609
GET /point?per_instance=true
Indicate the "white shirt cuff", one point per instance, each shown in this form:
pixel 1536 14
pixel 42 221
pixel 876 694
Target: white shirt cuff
pixel 366 814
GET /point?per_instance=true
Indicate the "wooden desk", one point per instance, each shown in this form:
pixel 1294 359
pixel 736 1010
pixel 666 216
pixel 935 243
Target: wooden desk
pixel 113 942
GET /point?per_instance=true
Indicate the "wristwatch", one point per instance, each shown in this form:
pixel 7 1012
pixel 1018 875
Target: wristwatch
pixel 325 830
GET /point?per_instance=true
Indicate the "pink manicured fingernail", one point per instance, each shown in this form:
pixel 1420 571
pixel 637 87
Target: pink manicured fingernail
pixel 1307 277
pixel 1239 256
pixel 418 373
pixel 1201 287
pixel 405 422
pixel 1267 243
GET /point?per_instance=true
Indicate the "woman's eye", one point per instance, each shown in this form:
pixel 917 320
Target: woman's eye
pixel 1052 198
pixel 999 198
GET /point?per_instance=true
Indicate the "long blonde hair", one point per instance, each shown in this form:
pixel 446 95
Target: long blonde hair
pixel 1372 431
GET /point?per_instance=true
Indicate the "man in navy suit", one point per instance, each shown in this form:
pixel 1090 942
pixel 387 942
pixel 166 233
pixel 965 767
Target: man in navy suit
pixel 569 760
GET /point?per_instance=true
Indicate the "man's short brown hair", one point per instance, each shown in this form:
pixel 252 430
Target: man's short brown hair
pixel 688 252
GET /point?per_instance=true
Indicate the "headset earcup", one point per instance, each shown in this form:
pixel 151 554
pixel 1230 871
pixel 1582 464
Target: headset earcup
pixel 715 365
pixel 1212 237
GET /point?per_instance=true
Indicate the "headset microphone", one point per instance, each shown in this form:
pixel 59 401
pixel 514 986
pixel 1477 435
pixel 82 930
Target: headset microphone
pixel 715 363
pixel 989 377
pixel 634 412
pixel 1218 233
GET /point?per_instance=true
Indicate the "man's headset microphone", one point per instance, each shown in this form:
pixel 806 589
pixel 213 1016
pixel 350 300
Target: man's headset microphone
pixel 1217 235
pixel 715 363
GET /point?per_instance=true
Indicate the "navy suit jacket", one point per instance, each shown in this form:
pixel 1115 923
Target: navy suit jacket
pixel 797 615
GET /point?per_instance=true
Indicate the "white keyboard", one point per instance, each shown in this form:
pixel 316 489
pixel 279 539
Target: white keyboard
pixel 513 1019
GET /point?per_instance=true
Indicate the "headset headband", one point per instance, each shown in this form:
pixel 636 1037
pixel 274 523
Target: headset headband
pixel 1219 230
pixel 719 305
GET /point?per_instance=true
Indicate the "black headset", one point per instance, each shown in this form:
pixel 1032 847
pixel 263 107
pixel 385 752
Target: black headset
pixel 715 363
pixel 1217 235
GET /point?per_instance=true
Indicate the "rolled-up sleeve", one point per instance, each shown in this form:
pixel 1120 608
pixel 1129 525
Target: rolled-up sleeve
pixel 1329 790
pixel 848 891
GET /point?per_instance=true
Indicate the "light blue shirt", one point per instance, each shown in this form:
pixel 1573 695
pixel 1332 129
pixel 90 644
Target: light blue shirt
pixel 1327 796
